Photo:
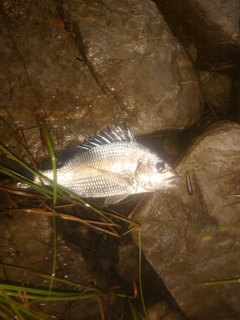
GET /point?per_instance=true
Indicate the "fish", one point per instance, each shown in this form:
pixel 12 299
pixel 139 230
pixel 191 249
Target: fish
pixel 112 164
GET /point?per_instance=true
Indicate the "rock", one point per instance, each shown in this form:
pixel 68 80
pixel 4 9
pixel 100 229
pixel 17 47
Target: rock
pixel 192 239
pixel 158 311
pixel 140 63
pixel 22 238
pixel 27 243
pixel 130 69
pixel 212 25
pixel 161 311
pixel 235 105
pixel 217 90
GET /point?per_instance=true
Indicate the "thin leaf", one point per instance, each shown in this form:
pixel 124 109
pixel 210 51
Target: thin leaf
pixel 140 272
pixel 54 202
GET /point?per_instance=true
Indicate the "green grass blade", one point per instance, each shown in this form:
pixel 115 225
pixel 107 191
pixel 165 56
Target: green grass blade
pixel 45 275
pixel 54 202
pixel 7 300
pixel 11 129
pixel 15 158
pixel 217 282
pixel 63 193
pixel 19 310
pixel 53 159
pixel 135 313
pixel 140 272
pixel 21 140
pixel 36 187
pixel 43 294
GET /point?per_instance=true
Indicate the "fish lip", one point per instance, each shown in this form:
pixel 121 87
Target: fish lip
pixel 170 182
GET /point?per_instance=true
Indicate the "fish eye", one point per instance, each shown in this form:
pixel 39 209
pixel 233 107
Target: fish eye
pixel 161 166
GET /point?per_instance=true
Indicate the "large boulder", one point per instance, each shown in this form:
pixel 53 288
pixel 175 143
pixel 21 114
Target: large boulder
pixel 211 25
pixel 190 235
pixel 116 63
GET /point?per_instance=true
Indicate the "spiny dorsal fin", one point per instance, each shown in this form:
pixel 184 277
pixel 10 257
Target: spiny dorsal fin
pixel 106 137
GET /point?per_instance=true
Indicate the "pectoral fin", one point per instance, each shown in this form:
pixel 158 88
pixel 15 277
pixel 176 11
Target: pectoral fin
pixel 115 199
pixel 115 177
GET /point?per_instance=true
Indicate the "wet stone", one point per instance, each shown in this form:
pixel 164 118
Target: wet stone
pixel 193 238
pixel 130 68
pixel 207 25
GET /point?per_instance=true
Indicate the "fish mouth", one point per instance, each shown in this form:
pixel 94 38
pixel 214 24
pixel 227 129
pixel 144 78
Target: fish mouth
pixel 170 182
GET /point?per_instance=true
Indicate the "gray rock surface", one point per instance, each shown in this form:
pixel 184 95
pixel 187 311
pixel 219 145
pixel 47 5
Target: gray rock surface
pixel 235 99
pixel 132 70
pixel 217 90
pixel 212 25
pixel 191 239
pixel 27 242
pixel 115 62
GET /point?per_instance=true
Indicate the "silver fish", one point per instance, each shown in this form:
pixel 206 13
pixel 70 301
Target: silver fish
pixel 114 165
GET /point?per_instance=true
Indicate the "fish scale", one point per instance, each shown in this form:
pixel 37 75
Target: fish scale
pixel 113 164
pixel 102 171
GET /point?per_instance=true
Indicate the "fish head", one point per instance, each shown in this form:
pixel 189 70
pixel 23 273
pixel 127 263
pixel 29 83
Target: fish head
pixel 154 173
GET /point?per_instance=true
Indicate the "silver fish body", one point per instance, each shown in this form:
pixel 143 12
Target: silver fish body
pixel 113 165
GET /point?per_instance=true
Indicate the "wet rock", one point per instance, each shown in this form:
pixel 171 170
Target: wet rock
pixel 217 90
pixel 27 242
pixel 128 261
pixel 43 81
pixel 24 239
pixel 235 106
pixel 213 26
pixel 158 301
pixel 135 57
pixel 117 63
pixel 191 237
pixel 158 311
pixel 161 311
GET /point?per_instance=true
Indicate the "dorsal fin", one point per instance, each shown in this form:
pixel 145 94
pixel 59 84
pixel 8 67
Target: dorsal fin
pixel 106 137
pixel 116 134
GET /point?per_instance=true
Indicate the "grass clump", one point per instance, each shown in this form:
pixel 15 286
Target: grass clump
pixel 27 300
